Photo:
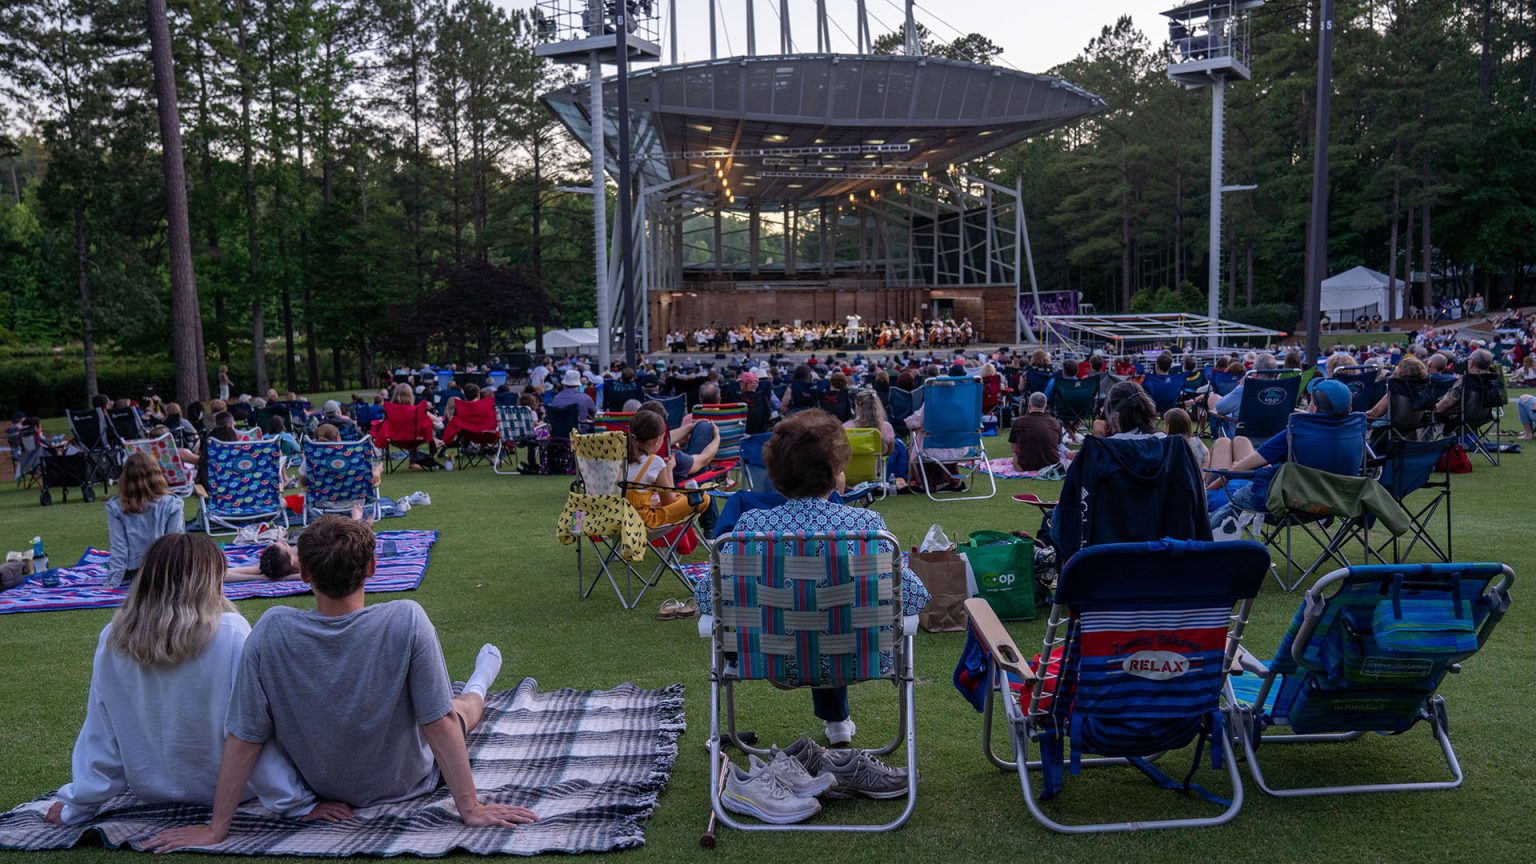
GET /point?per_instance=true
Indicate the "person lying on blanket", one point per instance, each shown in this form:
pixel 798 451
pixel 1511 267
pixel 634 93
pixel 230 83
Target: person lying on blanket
pixel 279 561
pixel 160 687
pixel 390 729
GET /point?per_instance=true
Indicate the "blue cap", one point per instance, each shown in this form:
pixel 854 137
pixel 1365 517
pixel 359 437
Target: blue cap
pixel 1330 397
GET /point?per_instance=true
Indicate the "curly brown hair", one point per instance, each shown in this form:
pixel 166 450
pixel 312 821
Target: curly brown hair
pixel 806 453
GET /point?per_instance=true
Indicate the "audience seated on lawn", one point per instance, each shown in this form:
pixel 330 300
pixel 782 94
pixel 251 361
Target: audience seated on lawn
pixel 160 689
pixel 1128 413
pixel 1227 406
pixel 391 730
pixel 1479 363
pixel 143 511
pixel 806 456
pixel 659 506
pixel 1410 369
pixel 571 393
pixel 1035 436
pixel 1176 421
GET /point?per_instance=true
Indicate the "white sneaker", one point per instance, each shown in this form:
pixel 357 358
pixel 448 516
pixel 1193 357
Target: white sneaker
pixel 840 731
pixel 419 499
pixel 765 797
pixel 792 773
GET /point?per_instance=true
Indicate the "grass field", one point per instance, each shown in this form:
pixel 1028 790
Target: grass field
pixel 498 575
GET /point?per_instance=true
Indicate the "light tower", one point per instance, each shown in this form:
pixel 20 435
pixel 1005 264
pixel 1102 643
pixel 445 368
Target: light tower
pixel 1210 44
pixel 592 33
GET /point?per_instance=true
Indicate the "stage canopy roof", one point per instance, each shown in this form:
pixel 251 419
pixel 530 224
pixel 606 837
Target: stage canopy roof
pixel 822 125
pixel 1167 328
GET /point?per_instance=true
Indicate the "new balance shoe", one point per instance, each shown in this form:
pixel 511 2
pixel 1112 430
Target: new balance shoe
pixel 789 770
pixel 812 756
pixel 765 797
pixel 840 732
pixel 858 773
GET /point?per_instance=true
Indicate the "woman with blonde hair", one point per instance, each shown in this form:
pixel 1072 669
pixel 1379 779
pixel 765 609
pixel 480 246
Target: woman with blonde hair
pixel 143 511
pixel 868 413
pixel 160 688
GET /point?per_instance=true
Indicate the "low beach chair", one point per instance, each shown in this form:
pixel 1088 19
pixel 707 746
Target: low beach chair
pixel 1367 652
pixel 1137 647
pixel 338 475
pixel 807 610
pixel 181 479
pixel 244 485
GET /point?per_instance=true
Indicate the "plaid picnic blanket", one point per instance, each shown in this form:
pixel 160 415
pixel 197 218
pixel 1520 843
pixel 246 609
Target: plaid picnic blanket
pixel 83 586
pixel 590 763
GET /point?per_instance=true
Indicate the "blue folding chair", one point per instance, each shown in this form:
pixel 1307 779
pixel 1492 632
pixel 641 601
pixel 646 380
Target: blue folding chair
pixel 952 423
pixel 244 485
pixel 338 475
pixel 1366 386
pixel 677 409
pixel 754 468
pixel 1037 380
pixel 1409 467
pixel 1367 652
pixel 1269 400
pixel 1221 383
pixel 1165 390
pixel 903 404
pixel 1135 659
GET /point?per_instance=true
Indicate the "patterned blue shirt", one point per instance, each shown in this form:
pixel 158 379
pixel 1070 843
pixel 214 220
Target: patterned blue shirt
pixel 818 515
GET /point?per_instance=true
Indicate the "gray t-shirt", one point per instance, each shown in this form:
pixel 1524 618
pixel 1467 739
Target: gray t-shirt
pixel 346 698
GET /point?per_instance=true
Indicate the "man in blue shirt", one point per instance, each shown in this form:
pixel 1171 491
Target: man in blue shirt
pixel 572 394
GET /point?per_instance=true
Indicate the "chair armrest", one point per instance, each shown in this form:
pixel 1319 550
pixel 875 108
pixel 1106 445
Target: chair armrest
pixel 706 626
pixel 199 490
pixel 909 625
pixel 996 639
pixel 1247 661
pixel 1229 474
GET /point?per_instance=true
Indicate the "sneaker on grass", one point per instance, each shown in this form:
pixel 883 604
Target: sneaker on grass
pixel 812 756
pixel 792 773
pixel 858 773
pixel 765 797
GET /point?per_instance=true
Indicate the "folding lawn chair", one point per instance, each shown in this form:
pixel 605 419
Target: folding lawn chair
pixel 555 451
pixel 1137 648
pixel 864 475
pixel 1036 380
pixel 181 479
pixel 472 431
pixel 598 511
pixel 1367 652
pixel 406 428
pixel 244 485
pixel 1165 390
pixel 1366 386
pixel 1410 409
pixel 1408 467
pixel 837 403
pixel 1075 400
pixel 952 422
pixel 126 424
pixel 730 420
pixel 1315 454
pixel 903 404
pixel 89 429
pixel 1480 413
pixel 516 425
pixel 753 468
pixel 338 475
pixel 807 610
pixel 1269 399
pixel 677 409
pixel 616 393
pixel 1221 383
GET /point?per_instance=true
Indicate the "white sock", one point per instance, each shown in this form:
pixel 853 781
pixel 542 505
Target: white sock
pixel 487 667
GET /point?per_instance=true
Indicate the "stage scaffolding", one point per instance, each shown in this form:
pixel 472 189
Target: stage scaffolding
pixel 1122 333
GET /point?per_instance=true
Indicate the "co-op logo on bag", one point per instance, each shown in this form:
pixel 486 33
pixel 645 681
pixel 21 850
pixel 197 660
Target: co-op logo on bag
pixel 1156 665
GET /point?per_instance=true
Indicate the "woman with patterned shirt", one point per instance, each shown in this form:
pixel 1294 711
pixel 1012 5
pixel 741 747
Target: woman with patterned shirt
pixel 806 456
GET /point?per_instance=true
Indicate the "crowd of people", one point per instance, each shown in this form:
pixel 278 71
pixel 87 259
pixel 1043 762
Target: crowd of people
pixel 821 335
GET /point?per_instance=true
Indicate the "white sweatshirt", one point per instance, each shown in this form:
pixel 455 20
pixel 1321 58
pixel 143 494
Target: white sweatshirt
pixel 159 732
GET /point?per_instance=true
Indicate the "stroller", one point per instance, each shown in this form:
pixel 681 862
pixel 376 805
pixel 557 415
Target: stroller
pixel 62 469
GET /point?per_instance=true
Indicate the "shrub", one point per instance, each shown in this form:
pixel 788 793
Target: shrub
pixel 47 386
pixel 1273 316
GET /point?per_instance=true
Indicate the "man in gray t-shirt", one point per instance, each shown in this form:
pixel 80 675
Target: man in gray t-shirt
pixel 358 696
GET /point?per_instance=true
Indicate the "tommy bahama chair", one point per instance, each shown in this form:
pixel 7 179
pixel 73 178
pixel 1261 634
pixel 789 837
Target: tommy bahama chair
pixel 244 485
pixel 338 475
pixel 181 479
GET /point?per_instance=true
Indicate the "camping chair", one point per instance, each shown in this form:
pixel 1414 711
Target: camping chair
pixel 617 392
pixel 554 451
pixel 1410 410
pixel 598 511
pixel 730 421
pixel 1366 386
pixel 1367 652
pixel 126 424
pixel 181 479
pixel 837 403
pixel 1269 400
pixel 1037 380
pixel 1479 413
pixel 865 472
pixel 903 404
pixel 1314 454
pixel 1075 400
pixel 1164 390
pixel 406 428
pixel 773 623
pixel 338 475
pixel 26 456
pixel 244 485
pixel 1221 383
pixel 754 468
pixel 952 421
pixel 1128 490
pixel 1408 467
pixel 516 425
pixel 803 395
pixel 677 409
pixel 472 431
pixel 89 429
pixel 612 421
pixel 1137 648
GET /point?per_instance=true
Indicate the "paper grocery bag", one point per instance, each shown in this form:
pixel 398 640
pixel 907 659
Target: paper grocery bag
pixel 943 573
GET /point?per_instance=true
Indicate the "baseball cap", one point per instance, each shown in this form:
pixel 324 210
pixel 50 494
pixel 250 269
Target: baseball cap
pixel 1330 397
pixel 746 378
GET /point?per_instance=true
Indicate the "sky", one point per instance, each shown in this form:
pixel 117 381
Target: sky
pixel 1035 35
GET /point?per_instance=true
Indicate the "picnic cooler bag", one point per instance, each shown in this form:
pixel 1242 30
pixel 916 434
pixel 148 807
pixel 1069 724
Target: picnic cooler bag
pixel 1001 570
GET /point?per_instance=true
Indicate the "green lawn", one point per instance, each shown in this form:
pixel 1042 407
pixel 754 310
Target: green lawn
pixel 497 574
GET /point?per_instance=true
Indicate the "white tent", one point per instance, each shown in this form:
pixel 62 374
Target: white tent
pixel 582 340
pixel 1357 291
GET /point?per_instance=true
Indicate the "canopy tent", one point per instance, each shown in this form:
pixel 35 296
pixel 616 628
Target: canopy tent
pixel 581 340
pixel 1360 291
